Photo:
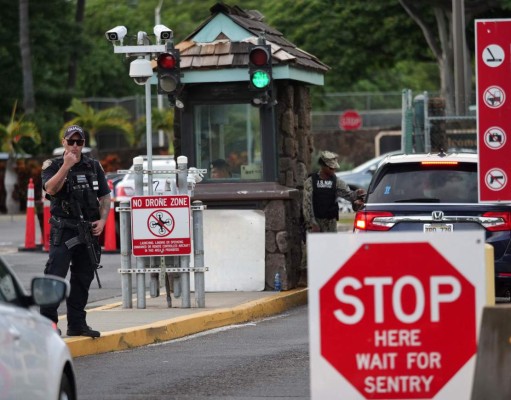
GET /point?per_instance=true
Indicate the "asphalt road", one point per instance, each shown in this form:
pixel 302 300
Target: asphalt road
pixel 28 264
pixel 263 359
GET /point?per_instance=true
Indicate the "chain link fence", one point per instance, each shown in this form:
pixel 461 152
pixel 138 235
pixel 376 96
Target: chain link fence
pixel 432 130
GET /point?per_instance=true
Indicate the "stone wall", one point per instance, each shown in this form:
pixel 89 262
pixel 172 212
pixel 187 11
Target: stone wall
pixel 284 245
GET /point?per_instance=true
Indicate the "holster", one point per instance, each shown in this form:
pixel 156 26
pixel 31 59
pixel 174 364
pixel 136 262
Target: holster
pixel 60 224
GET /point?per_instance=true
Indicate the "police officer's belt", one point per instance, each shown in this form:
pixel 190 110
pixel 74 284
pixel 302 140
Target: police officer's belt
pixel 64 222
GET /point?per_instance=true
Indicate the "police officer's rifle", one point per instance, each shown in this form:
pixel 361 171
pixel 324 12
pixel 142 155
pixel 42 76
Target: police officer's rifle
pixel 85 237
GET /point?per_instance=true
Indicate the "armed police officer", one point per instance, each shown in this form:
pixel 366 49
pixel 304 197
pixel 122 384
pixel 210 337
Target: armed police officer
pixel 79 194
pixel 320 193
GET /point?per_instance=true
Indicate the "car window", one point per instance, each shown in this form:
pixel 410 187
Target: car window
pixel 413 182
pixel 9 290
pixel 368 164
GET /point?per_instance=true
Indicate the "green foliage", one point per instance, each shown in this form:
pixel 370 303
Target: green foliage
pixel 370 45
pixel 52 37
pixel 359 40
pixel 92 121
pixel 161 119
pixel 16 133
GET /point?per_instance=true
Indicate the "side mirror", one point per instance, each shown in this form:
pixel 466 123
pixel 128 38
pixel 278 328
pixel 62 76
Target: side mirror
pixel 49 290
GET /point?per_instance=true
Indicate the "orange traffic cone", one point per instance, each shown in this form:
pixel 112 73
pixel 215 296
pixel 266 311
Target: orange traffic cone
pixel 110 236
pixel 30 220
pixel 46 223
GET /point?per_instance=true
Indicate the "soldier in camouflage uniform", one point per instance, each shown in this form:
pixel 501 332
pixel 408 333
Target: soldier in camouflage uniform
pixel 320 193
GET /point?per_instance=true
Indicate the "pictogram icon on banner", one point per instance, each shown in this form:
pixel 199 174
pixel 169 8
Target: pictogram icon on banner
pixel 493 55
pixel 495 137
pixel 496 179
pixel 494 97
pixel 160 223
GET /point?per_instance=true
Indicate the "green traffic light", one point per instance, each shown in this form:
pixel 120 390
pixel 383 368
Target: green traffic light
pixel 260 79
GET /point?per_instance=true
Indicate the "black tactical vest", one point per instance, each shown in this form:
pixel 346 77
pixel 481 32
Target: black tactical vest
pixel 324 201
pixel 79 189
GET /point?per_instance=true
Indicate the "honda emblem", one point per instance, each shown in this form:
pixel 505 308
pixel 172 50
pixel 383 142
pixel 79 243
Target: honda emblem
pixel 437 215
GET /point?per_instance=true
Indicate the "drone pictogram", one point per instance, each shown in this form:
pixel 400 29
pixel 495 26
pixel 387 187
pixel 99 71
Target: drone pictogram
pixel 160 223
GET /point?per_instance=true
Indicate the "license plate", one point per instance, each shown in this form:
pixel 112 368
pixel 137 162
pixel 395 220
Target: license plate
pixel 438 228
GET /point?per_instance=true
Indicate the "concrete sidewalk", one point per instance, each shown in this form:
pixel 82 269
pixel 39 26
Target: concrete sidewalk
pixel 123 329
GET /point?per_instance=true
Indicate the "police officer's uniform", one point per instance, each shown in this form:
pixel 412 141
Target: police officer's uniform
pixel 87 179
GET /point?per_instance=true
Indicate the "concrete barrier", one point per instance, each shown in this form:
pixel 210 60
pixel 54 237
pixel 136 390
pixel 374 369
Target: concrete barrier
pixel 493 363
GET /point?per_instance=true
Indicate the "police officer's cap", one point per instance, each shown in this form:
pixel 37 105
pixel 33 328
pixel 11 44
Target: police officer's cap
pixel 71 130
pixel 329 158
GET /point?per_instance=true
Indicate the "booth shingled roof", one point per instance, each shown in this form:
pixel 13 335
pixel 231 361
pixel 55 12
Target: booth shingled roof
pixel 224 52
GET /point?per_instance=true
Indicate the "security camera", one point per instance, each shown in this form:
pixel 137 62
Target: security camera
pixel 163 33
pixel 141 70
pixel 117 33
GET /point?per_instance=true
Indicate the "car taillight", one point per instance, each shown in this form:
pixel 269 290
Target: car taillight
pixel 439 163
pixel 372 221
pixel 497 221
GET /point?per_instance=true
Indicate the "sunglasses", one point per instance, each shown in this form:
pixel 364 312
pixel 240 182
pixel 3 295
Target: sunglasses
pixel 78 142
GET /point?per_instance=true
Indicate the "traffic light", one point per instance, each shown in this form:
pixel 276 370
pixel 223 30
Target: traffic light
pixel 259 67
pixel 169 72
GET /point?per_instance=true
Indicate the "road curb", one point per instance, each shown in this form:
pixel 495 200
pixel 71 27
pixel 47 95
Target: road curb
pixel 178 327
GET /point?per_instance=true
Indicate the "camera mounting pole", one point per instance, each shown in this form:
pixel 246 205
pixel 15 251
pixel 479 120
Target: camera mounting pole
pixel 141 71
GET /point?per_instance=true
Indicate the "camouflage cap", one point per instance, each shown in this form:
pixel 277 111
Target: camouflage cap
pixel 330 159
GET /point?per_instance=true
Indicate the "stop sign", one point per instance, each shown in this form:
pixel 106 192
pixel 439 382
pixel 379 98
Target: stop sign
pixel 397 320
pixel 350 120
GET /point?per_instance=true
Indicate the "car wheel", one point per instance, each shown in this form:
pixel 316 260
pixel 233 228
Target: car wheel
pixel 66 390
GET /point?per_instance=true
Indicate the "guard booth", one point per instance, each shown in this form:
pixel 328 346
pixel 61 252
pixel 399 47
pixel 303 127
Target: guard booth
pixel 262 138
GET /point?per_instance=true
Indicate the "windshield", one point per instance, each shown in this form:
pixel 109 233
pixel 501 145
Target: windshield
pixel 158 165
pixel 414 182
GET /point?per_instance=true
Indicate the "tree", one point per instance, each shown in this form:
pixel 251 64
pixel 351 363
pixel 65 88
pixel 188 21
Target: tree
pixel 161 120
pixel 26 58
pixel 435 20
pixel 93 122
pixel 11 136
pixel 73 60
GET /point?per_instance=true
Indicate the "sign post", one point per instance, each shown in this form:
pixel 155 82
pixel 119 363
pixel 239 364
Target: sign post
pixel 396 316
pixel 493 60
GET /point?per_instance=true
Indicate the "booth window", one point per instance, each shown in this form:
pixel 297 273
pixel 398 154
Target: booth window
pixel 228 141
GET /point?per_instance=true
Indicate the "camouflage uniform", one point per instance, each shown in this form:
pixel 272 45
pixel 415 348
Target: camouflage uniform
pixel 325 225
pixel 329 160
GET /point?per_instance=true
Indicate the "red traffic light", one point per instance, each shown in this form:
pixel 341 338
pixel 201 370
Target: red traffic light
pixel 166 61
pixel 259 56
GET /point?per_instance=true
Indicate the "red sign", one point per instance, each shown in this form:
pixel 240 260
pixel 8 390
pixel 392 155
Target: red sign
pixel 493 57
pixel 160 225
pixel 350 120
pixel 397 321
